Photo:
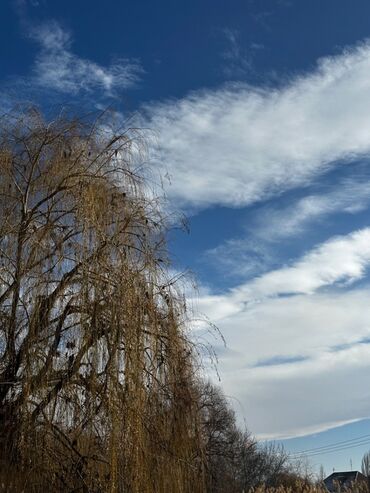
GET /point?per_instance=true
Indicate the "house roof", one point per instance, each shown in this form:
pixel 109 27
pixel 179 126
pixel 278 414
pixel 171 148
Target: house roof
pixel 343 478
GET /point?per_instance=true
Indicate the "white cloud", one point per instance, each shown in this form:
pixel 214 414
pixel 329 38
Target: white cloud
pixel 307 397
pixel 239 144
pixel 340 259
pixel 57 68
pixel 295 328
pixel 349 196
pixel 240 257
pixel 237 61
pixel 255 251
pixel 288 353
pixel 325 382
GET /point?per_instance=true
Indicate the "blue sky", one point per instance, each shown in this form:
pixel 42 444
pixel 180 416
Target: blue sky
pixel 258 112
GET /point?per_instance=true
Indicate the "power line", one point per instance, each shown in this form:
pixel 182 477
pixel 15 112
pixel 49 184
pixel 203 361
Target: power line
pixel 330 451
pixel 336 446
pixel 333 444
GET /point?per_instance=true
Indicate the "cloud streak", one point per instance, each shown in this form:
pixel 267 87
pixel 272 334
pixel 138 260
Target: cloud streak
pixel 306 397
pixel 283 354
pixel 58 68
pixel 297 331
pixel 342 259
pixel 349 196
pixel 240 144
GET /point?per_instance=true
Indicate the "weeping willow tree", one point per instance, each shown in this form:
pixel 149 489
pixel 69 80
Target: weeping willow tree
pixel 97 389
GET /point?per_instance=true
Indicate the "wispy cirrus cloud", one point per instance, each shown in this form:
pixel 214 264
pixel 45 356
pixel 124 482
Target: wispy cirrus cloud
pixel 241 257
pixel 238 61
pixel 341 259
pixel 308 396
pixel 57 68
pixel 260 245
pixel 296 330
pixel 348 196
pixel 240 144
pixel 301 345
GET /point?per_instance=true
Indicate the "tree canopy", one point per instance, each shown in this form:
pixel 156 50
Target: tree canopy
pixel 96 373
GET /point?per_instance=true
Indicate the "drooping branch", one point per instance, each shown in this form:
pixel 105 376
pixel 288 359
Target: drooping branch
pixel 95 363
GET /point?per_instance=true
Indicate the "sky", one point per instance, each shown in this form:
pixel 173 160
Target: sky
pixel 258 119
